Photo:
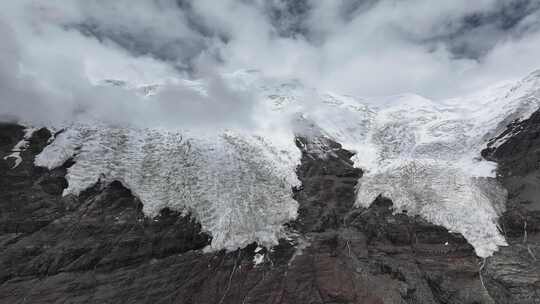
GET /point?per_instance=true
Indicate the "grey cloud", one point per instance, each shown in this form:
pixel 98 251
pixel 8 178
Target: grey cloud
pixel 51 50
pixel 474 35
pixel 288 16
pixel 44 72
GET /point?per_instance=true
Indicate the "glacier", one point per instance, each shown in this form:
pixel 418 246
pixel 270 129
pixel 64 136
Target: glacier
pixel 237 185
pixel 422 154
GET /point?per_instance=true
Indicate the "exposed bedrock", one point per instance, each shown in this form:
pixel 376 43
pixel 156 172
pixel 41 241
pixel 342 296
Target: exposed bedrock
pixel 513 273
pixel 100 248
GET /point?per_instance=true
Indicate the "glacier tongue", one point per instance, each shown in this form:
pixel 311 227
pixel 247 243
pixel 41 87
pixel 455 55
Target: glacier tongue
pixel 443 194
pixel 237 185
pixel 424 155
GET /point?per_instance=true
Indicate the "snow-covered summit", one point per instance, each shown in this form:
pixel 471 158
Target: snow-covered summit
pixel 421 153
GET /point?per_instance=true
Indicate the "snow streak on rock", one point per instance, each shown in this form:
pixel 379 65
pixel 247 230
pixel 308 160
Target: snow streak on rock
pixel 20 147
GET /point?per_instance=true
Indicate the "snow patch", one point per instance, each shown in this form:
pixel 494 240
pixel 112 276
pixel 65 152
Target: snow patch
pixel 258 259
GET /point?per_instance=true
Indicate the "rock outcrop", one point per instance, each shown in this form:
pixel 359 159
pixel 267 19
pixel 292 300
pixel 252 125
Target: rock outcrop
pixel 513 273
pixel 100 248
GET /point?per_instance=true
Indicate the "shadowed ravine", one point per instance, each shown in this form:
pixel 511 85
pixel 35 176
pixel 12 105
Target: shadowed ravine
pixel 100 248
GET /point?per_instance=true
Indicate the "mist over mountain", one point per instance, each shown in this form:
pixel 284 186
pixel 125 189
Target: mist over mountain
pixel 57 50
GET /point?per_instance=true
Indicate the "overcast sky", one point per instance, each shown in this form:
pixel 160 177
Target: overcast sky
pixel 51 49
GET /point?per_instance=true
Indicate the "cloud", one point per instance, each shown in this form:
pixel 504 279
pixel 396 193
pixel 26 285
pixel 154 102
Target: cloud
pixel 53 52
pixel 50 70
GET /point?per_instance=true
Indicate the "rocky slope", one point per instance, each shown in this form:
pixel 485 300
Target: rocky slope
pixel 513 273
pixel 99 247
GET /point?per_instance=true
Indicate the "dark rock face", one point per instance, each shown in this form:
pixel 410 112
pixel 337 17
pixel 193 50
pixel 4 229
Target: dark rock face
pixel 100 248
pixel 513 273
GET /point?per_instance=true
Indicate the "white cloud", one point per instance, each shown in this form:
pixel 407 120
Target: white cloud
pixel 53 50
